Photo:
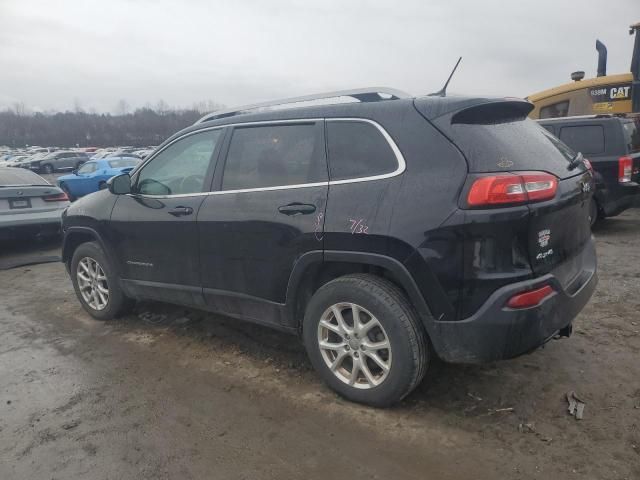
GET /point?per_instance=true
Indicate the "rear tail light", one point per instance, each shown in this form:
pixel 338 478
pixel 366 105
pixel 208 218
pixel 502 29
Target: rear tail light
pixel 530 298
pixel 625 166
pixel 56 197
pixel 512 189
pixel 587 164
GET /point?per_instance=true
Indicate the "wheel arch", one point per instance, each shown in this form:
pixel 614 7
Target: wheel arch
pixel 316 268
pixel 76 236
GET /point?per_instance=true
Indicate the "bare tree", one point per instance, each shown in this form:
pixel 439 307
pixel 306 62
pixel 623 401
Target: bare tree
pixel 207 106
pixel 122 108
pixel 77 105
pixel 161 107
pixel 20 109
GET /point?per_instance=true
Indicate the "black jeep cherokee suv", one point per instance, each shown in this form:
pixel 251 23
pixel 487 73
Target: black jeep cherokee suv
pixel 384 232
pixel 612 145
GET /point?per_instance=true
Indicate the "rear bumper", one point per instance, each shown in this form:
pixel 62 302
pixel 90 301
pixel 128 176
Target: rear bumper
pixel 50 217
pixel 496 332
pixel 626 196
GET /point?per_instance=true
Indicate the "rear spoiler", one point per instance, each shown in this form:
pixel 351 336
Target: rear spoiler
pixel 474 110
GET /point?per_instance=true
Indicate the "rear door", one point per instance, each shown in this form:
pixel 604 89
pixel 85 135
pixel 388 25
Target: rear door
pixel 154 228
pixel 266 211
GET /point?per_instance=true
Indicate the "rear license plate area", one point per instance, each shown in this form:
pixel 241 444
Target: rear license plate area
pixel 19 203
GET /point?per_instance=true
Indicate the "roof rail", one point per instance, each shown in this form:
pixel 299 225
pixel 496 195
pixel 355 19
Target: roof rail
pixel 375 94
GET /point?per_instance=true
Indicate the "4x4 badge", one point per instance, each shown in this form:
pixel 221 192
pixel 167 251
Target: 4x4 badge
pixel 586 187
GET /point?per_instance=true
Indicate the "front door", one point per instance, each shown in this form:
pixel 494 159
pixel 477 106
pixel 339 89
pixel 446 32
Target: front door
pixel 154 228
pixel 267 211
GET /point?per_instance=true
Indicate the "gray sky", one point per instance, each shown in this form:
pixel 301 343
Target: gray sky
pixel 96 52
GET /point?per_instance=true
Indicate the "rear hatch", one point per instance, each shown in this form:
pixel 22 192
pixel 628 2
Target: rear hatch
pixel 498 139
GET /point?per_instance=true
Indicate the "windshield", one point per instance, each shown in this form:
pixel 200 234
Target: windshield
pixel 632 135
pixel 124 162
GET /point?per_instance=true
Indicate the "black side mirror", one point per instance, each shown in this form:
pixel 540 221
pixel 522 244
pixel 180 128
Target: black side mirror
pixel 120 184
pixel 74 171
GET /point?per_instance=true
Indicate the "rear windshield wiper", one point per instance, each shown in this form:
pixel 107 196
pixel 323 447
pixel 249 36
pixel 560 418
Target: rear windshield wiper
pixel 576 160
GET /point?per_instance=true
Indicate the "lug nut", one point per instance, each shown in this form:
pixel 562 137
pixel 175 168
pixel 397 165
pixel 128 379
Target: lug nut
pixel 346 347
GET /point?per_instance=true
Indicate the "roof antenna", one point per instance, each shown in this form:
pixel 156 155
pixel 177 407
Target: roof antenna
pixel 443 92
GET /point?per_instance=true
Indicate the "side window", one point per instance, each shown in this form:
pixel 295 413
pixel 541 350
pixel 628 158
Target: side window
pixel 180 168
pixel 560 109
pixel 87 168
pixel 275 155
pixel 588 139
pixel 358 149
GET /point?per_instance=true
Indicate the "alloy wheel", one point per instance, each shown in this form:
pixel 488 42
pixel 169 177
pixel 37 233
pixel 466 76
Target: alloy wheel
pixel 354 345
pixel 92 283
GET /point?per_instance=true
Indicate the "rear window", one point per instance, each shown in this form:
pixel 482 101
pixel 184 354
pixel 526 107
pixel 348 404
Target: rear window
pixel 19 176
pixel 358 149
pixel 588 139
pixel 124 162
pixel 632 135
pixel 514 145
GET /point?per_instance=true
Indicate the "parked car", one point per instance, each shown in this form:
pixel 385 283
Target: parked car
pixel 93 175
pixel 29 204
pixel 144 153
pixel 57 161
pixel 121 153
pixel 385 232
pixel 13 160
pixel 612 145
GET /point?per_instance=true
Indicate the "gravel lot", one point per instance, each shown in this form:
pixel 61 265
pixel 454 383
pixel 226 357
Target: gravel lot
pixel 170 392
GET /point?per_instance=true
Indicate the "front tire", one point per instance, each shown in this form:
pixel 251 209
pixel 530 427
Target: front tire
pixel 365 340
pixel 96 284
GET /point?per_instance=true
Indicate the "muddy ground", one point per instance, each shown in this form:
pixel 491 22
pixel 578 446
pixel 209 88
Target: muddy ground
pixel 174 393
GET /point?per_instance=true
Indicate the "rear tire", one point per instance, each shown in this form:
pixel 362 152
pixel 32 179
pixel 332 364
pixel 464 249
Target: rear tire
pixel 387 349
pixel 96 284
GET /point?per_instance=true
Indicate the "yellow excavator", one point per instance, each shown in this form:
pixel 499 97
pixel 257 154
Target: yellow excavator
pixel 604 94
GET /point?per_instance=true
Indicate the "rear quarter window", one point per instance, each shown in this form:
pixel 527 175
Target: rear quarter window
pixel 588 139
pixel 358 149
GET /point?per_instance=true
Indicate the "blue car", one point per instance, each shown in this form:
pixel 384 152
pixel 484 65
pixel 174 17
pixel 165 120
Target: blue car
pixel 93 175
